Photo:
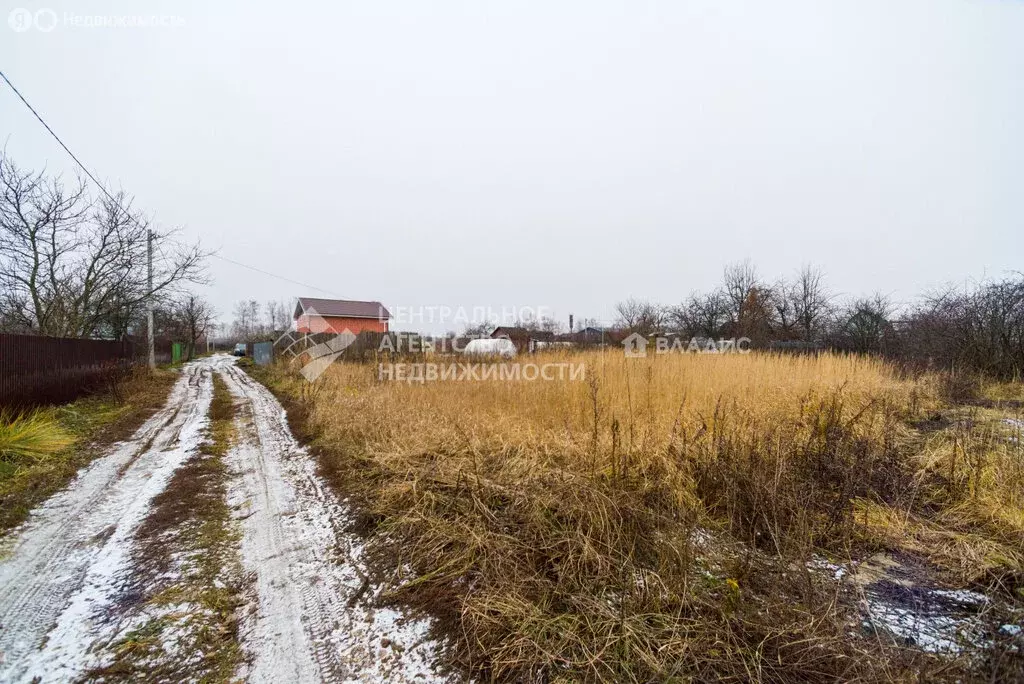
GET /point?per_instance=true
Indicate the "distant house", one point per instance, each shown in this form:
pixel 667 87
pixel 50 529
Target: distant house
pixel 521 337
pixel 593 336
pixel 314 315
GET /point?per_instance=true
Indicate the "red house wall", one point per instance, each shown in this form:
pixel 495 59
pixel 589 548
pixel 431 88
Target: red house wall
pixel 338 324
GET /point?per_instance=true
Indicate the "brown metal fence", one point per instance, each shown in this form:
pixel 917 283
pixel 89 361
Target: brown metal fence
pixel 41 370
pixel 363 347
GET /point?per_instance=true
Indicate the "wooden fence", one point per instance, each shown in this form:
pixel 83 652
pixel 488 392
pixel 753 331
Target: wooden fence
pixel 43 370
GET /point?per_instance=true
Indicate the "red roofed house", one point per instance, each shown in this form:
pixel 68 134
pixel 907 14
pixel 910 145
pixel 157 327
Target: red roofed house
pixel 337 315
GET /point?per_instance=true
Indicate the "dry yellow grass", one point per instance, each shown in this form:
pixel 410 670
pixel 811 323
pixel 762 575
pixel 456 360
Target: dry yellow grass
pixel 31 437
pixel 554 520
pixel 653 400
pixel 969 477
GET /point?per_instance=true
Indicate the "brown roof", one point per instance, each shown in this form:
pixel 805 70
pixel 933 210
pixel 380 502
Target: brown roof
pixel 341 307
pixel 521 333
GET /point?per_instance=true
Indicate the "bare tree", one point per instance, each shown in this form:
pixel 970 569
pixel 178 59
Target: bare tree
pixel 811 301
pixel 738 280
pixel 702 315
pixel 549 324
pixel 482 329
pixel 782 299
pixel 279 315
pixel 757 320
pixel 40 223
pixel 535 324
pixel 979 328
pixel 640 316
pixel 196 317
pixel 628 313
pixel 247 325
pixel 866 324
pixel 74 267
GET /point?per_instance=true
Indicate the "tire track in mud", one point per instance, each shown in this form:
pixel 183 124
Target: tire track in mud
pixel 307 620
pixel 60 570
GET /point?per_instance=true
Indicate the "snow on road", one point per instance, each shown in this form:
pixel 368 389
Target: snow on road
pixel 64 574
pixel 311 617
pixel 61 572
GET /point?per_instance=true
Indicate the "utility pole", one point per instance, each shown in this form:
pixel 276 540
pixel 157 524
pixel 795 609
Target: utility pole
pixel 149 299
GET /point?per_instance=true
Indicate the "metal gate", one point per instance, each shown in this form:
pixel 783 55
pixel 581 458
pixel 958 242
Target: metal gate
pixel 263 353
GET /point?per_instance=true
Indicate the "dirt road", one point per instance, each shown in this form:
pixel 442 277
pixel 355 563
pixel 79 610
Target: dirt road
pixel 308 612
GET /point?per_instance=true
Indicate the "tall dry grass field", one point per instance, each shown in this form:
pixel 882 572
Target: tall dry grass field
pixel 655 402
pixel 563 526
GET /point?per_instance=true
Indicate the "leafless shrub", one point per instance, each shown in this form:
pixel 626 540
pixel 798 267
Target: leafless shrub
pixel 640 316
pixel 865 325
pixel 979 329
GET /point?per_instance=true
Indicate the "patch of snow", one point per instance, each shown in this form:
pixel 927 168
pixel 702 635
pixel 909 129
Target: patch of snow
pixel 838 572
pixel 932 633
pixel 701 538
pixel 934 620
pixel 964 597
pixel 1017 425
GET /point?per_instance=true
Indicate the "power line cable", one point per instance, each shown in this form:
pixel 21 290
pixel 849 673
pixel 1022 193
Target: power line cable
pixel 273 275
pixel 117 204
pixel 57 138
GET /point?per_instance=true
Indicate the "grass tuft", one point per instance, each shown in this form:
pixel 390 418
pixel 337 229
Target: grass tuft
pixel 31 437
pixel 89 425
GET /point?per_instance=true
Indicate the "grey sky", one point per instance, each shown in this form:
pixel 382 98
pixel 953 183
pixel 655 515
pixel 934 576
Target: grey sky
pixel 562 154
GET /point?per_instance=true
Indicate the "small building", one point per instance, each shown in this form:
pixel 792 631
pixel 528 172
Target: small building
pixel 313 315
pixel 523 339
pixel 593 336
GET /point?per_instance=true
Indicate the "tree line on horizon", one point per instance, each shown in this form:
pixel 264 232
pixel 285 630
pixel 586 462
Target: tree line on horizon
pixel 979 327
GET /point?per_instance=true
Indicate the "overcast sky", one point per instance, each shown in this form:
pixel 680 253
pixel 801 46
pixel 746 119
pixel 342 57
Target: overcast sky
pixel 559 154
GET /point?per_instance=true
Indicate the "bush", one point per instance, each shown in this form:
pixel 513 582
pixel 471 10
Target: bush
pixel 28 437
